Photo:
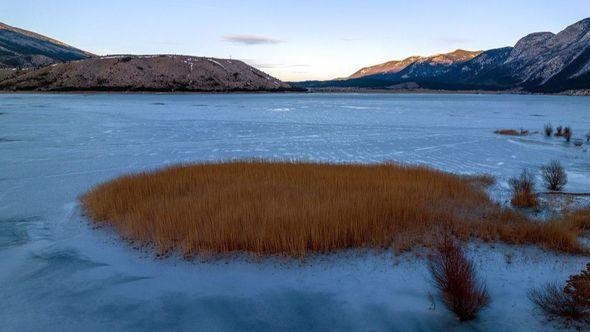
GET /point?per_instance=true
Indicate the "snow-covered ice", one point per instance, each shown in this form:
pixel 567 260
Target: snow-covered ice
pixel 57 273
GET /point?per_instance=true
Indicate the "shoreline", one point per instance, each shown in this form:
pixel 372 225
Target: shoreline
pixel 575 93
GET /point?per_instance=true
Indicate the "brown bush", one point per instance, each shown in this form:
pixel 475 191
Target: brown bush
pixel 523 190
pixel 296 208
pixel 512 132
pixel 554 176
pixel 571 302
pixel 454 276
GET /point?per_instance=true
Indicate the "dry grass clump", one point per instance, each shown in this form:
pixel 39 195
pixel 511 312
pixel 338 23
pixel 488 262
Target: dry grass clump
pixel 579 218
pixel 482 181
pixel 570 302
pixel 512 132
pixel 454 276
pixel 294 208
pixel 523 190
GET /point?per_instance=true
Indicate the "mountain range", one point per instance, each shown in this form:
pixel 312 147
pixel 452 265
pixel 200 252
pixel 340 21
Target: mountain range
pixel 540 62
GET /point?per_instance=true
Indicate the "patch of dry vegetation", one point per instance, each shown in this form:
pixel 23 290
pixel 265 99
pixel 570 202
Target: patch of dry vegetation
pixel 295 208
pixel 579 218
pixel 512 132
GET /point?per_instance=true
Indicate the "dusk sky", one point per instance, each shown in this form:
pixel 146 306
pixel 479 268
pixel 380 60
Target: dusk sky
pixel 292 40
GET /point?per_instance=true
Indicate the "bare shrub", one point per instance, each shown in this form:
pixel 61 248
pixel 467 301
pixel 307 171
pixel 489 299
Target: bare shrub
pixel 548 130
pixel 571 302
pixel 567 133
pixel 523 190
pixel 559 131
pixel 454 276
pixel 554 176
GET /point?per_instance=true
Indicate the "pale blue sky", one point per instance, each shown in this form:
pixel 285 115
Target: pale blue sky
pixel 293 40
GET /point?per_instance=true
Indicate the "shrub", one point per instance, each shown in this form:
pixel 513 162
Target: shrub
pixel 572 302
pixel 554 176
pixel 523 188
pixel 548 130
pixel 559 131
pixel 567 133
pixel 454 276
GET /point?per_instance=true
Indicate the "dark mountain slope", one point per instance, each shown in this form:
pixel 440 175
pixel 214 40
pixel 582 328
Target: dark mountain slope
pixel 21 49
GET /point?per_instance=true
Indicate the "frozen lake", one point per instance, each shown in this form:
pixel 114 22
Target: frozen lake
pixel 56 273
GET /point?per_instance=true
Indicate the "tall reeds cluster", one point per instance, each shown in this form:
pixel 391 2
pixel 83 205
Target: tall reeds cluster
pixel 294 208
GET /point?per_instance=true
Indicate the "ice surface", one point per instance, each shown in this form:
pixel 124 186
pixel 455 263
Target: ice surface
pixel 57 273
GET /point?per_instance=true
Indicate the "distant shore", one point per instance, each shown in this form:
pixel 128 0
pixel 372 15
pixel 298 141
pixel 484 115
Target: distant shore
pixel 431 91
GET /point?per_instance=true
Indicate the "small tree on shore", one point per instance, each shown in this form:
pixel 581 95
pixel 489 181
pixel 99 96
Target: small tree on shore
pixel 554 176
pixel 548 130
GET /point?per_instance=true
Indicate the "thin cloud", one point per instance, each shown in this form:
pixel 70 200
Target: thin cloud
pixel 250 39
pixel 279 66
pixel 454 40
pixel 267 65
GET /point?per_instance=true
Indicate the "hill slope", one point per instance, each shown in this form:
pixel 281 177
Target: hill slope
pixel 146 73
pixel 22 49
pixel 394 67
